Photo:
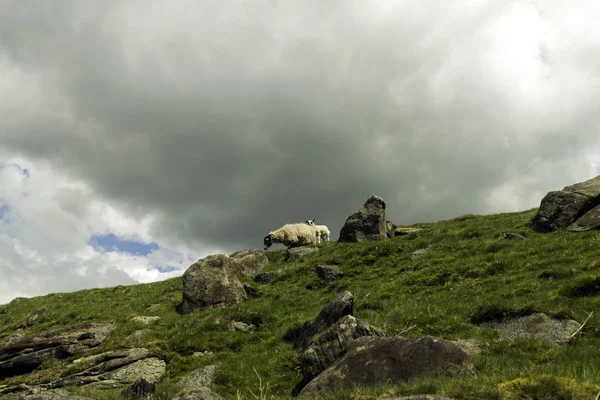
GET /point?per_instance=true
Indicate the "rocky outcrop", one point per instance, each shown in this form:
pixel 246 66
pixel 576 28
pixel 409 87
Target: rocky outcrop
pixel 368 224
pixel 328 273
pixel 342 305
pixel 535 326
pixel 55 394
pixel 325 348
pixel 29 352
pixel 320 342
pixel 569 208
pixel 199 394
pixel 114 369
pixel 390 360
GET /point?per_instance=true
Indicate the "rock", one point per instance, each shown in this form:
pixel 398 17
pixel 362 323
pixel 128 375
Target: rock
pixel 115 369
pixel 326 348
pixel 418 253
pixel 200 354
pixel 590 220
pixel 535 326
pixel 137 335
pixel 389 228
pixel 328 273
pixel 251 292
pixel 471 347
pixel 199 394
pixel 265 277
pixel 563 208
pixel 418 397
pixel 33 318
pixel 54 394
pixel 198 379
pixel 241 327
pixel 144 319
pixel 140 389
pixel 29 352
pixel 296 253
pixel 252 261
pixel 513 236
pixel 401 231
pixel 340 306
pixel 390 360
pixel 214 281
pixel 368 224
pixel 152 307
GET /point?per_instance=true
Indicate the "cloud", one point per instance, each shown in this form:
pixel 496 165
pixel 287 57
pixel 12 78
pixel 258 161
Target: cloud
pixel 205 125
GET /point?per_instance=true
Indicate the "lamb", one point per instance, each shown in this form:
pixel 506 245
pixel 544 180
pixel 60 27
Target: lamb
pixel 292 235
pixel 322 230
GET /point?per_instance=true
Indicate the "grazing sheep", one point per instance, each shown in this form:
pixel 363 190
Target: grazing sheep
pixel 322 230
pixel 292 235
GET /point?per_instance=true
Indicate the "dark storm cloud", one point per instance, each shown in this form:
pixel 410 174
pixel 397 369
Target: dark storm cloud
pixel 227 119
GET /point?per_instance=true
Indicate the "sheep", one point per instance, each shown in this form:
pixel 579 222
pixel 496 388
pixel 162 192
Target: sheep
pixel 322 230
pixel 292 235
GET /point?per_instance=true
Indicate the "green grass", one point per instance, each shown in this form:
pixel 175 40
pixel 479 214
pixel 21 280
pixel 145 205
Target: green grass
pixel 468 275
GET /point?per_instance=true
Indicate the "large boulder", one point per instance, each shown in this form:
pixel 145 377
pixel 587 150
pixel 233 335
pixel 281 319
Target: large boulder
pixel 390 360
pixel 568 208
pixel 367 224
pixel 253 261
pixel 216 281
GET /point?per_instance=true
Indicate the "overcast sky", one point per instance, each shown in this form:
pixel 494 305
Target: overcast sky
pixel 139 136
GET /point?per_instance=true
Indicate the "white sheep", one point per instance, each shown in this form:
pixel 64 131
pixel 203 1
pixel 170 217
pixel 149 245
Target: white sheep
pixel 292 235
pixel 322 230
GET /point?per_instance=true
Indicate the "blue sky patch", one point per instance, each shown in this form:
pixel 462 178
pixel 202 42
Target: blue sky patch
pixel 3 209
pixel 163 270
pixel 111 242
pixel 22 171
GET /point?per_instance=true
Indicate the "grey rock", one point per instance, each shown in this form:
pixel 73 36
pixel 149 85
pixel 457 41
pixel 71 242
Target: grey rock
pixel 568 207
pixel 200 354
pixel 535 326
pixel 29 352
pixel 54 394
pixel 367 224
pixel 252 261
pixel 340 306
pixel 471 347
pixel 390 360
pixel 418 253
pixel 513 236
pixel 242 327
pixel 199 394
pixel 326 348
pixel 328 273
pixel 198 379
pixel 140 389
pixel 214 281
pixel 142 319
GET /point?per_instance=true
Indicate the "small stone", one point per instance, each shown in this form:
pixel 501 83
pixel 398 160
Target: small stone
pixel 144 319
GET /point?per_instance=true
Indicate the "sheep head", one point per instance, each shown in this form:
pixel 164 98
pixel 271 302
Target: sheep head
pixel 268 241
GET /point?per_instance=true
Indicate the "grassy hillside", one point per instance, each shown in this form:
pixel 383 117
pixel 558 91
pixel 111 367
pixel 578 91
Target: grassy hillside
pixel 468 274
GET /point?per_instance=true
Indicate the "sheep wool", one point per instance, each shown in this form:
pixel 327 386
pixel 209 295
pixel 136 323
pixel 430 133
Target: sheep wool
pixel 292 235
pixel 322 230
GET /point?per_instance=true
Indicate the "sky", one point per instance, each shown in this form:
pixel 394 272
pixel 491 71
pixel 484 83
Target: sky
pixel 139 136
